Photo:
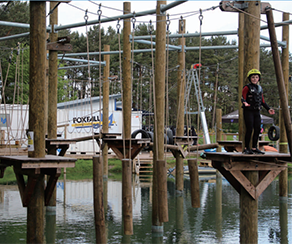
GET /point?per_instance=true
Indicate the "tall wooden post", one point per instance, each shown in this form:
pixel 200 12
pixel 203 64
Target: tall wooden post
pixel 240 73
pixel 105 108
pixel 280 78
pixel 127 197
pixel 195 184
pixel 159 110
pixel 127 87
pixel 179 173
pixel 100 230
pixel 127 108
pixel 283 145
pixel 249 206
pixel 218 127
pixel 53 89
pixel 37 75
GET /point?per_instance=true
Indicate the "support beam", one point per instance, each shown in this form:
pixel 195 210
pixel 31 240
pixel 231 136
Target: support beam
pixel 280 79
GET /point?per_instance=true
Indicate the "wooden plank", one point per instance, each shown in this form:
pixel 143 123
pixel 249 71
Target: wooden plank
pixel 51 185
pixel 29 190
pixel 45 165
pixel 20 183
pixel 14 160
pixel 228 176
pixel 266 181
pixel 245 183
pixel 251 166
pixel 202 147
pixel 229 6
pixel 59 47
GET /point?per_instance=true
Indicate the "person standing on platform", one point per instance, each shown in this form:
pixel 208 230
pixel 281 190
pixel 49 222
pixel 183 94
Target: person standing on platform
pixel 252 101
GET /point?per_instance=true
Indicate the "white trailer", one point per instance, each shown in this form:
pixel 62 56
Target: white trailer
pixel 75 119
pixel 84 117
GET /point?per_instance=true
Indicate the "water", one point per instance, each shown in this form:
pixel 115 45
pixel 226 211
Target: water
pixel 216 221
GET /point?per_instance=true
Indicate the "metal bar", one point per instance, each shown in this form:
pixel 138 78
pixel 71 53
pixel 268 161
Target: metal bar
pixel 79 66
pixel 14 36
pixel 171 5
pixel 121 17
pixel 191 34
pixel 153 43
pixel 149 50
pixel 14 24
pixel 80 60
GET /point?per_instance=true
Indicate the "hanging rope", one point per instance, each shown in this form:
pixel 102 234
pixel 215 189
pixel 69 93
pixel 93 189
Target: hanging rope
pixel 132 76
pixel 89 79
pixel 167 62
pixel 122 91
pixel 152 72
pixel 199 77
pixel 99 12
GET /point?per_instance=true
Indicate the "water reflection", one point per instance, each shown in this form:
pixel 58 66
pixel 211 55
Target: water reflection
pixel 216 221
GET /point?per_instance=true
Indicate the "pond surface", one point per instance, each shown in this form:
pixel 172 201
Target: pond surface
pixel 216 221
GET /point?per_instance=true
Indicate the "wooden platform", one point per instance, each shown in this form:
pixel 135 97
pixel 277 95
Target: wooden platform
pixel 236 146
pixel 35 167
pixel 124 146
pixel 232 165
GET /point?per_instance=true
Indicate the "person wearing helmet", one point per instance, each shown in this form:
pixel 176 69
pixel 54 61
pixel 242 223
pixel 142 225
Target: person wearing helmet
pixel 252 101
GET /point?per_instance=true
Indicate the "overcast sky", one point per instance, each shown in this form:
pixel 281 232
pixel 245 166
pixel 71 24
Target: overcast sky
pixel 213 20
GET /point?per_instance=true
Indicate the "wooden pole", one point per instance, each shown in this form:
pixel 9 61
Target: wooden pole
pixel 280 78
pixel 53 80
pixel 218 127
pixel 127 196
pixel 283 214
pixel 249 206
pixel 179 173
pixel 159 110
pixel 240 73
pixel 100 230
pixel 195 185
pixel 162 190
pixel 283 145
pixel 53 89
pixel 127 83
pixel 35 213
pixel 105 109
pixel 249 212
pixel 37 75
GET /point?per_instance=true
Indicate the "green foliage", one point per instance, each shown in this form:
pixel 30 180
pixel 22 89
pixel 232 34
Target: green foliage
pixel 219 67
pixel 9 177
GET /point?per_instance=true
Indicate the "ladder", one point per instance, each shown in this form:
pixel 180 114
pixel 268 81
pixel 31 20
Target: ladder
pixel 192 78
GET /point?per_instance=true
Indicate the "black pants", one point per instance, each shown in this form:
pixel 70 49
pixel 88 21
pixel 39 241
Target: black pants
pixel 252 120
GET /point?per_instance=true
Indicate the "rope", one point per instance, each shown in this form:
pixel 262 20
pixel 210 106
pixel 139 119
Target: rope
pixel 167 62
pixel 120 74
pixel 89 79
pixel 100 77
pixel 199 78
pixel 154 100
pixel 152 72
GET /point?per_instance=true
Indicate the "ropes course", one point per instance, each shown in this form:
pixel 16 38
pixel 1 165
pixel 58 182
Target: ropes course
pixel 90 82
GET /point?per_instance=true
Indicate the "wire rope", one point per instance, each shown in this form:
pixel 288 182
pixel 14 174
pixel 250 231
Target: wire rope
pixel 89 81
pixel 199 77
pixel 100 77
